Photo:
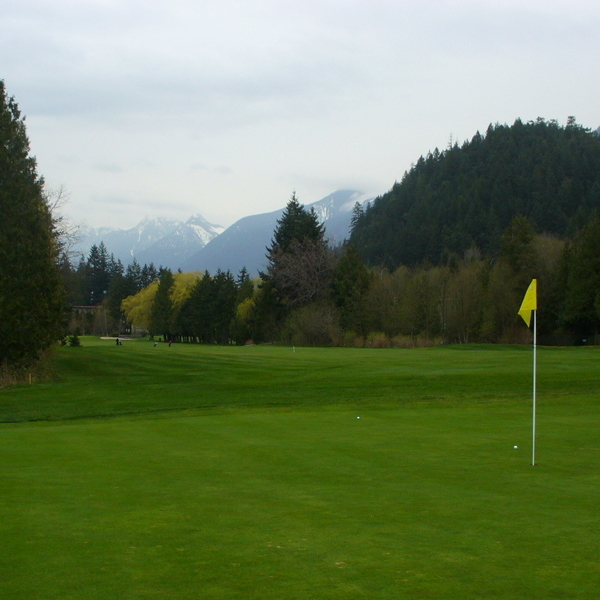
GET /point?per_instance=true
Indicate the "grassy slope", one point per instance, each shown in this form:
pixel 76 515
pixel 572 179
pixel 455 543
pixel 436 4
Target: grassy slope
pixel 279 491
pixel 102 379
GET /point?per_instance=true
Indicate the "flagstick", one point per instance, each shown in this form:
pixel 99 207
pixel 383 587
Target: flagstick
pixel 534 379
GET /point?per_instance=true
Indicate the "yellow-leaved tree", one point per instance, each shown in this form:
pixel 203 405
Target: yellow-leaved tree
pixel 182 287
pixel 138 308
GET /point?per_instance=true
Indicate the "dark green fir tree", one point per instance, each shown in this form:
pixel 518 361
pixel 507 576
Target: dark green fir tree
pixel 31 292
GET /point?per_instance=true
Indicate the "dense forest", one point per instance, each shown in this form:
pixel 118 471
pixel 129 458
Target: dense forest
pixel 313 295
pixel 466 196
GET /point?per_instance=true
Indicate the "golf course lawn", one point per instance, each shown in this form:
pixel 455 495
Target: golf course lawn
pixel 276 473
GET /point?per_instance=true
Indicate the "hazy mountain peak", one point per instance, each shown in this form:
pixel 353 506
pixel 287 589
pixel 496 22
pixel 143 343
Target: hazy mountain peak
pixel 198 219
pixel 244 243
pixel 339 202
pixel 196 244
pixel 161 240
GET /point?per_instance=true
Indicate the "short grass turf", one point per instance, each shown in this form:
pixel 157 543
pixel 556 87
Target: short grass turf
pixel 197 472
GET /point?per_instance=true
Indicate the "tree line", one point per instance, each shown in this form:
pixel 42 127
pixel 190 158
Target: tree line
pixel 102 281
pixel 313 294
pixel 190 307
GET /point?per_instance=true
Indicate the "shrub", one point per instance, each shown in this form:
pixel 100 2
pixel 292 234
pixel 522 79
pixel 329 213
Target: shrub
pixel 29 371
pixel 74 341
pixel 313 325
pixel 377 339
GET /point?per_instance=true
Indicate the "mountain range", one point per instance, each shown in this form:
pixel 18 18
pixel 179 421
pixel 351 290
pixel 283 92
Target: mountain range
pixel 157 240
pixel 197 245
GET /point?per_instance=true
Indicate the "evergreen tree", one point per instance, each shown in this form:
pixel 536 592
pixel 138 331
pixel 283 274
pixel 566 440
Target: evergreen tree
pixel 98 274
pixel 115 266
pixel 148 275
pixel 160 319
pixel 299 263
pixel 118 290
pixel 295 225
pixel 31 291
pixel 245 287
pixel 224 301
pixel 245 305
pixel 74 280
pixel 582 292
pixel 133 275
pixel 349 286
pixel 197 311
pixel 517 249
pixel 358 213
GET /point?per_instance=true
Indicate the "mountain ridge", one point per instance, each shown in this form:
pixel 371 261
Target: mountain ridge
pixel 159 240
pixel 243 245
pixel 197 245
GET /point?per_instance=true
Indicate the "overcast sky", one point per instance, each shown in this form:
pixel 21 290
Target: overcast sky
pixel 224 107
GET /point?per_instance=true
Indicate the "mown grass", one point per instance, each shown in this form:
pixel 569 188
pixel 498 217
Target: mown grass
pixel 102 379
pixel 200 472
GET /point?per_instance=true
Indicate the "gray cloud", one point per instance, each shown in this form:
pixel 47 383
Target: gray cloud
pixel 109 168
pixel 225 107
pixel 219 170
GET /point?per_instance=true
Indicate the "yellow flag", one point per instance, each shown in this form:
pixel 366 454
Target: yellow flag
pixel 529 302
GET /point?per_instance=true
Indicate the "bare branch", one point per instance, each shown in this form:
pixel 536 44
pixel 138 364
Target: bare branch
pixel 67 233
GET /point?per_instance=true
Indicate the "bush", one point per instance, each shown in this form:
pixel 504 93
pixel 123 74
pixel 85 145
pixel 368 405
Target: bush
pixel 313 325
pixel 415 341
pixel 377 339
pixel 29 371
pixel 351 340
pixel 74 341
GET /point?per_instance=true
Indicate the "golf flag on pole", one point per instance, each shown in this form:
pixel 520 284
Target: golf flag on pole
pixel 529 303
pixel 529 306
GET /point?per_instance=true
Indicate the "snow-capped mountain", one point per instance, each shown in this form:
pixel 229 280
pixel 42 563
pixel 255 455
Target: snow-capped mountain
pixel 196 244
pixel 180 244
pixel 244 244
pixel 160 240
pixel 335 212
pixel 339 203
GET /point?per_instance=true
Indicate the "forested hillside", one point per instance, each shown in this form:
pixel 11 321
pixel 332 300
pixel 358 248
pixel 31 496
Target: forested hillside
pixel 466 196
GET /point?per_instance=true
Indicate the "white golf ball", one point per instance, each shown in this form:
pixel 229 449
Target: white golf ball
pixel 358 417
pixel 516 447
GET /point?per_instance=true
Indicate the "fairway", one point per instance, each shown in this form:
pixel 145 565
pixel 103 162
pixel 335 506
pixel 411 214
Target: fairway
pixel 209 472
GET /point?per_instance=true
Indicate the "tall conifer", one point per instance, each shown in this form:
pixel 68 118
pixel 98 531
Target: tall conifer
pixel 160 320
pixel 31 293
pixel 299 265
